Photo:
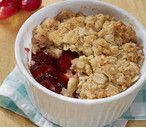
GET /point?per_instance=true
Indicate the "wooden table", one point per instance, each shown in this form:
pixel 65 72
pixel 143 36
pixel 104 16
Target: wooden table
pixel 8 32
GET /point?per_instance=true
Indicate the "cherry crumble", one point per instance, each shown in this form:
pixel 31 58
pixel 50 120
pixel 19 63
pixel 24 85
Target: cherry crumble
pixel 87 57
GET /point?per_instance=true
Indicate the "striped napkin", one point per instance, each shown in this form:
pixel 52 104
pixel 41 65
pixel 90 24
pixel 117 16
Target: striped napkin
pixel 13 96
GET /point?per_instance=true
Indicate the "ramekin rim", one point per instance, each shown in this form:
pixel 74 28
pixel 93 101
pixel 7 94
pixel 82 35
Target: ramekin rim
pixel 65 98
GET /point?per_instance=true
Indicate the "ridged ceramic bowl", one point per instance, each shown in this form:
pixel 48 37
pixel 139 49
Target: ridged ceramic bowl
pixel 66 111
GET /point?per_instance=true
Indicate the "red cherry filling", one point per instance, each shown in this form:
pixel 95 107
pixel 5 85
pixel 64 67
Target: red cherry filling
pixel 8 8
pixel 63 79
pixel 75 95
pixel 38 71
pixel 41 58
pixel 50 72
pixel 51 86
pixel 65 60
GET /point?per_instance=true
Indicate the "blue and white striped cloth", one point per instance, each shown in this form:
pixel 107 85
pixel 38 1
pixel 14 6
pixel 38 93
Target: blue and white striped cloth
pixel 13 96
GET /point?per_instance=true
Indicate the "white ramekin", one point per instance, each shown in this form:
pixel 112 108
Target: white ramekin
pixel 66 111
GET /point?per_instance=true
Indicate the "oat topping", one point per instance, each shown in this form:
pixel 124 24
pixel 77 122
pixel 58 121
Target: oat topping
pixel 110 58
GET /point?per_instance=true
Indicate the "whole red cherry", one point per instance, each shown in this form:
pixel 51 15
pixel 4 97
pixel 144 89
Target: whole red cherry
pixel 8 8
pixel 30 5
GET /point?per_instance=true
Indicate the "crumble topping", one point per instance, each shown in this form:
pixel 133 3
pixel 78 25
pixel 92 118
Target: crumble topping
pixel 110 57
